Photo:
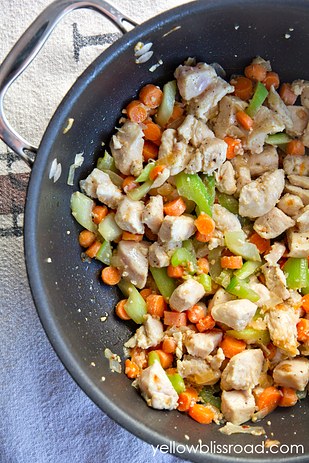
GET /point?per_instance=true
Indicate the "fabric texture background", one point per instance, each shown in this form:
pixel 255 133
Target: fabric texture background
pixel 45 417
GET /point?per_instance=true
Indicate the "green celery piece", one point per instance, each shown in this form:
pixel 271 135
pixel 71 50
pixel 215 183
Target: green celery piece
pixel 214 259
pixel 205 280
pixel 236 242
pixel 104 254
pixel 153 357
pixel 138 193
pixel 251 336
pixel 276 139
pixel 177 382
pixel 115 178
pixel 242 290
pixel 247 269
pixel 259 96
pixel 305 291
pixel 166 107
pixel 229 202
pixel 109 229
pixel 188 244
pixel 165 284
pixel 224 278
pixel 182 256
pixel 144 175
pixel 210 184
pixel 135 305
pixel 192 187
pixel 81 207
pixel 302 394
pixel 107 162
pixel 208 396
pixel 296 272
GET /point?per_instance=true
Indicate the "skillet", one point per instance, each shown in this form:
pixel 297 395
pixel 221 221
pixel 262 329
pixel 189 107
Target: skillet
pixel 68 295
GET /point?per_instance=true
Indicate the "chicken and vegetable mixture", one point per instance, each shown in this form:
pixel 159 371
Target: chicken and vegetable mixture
pixel 200 214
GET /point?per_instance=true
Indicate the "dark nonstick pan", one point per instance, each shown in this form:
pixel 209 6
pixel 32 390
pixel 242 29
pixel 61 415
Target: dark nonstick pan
pixel 67 292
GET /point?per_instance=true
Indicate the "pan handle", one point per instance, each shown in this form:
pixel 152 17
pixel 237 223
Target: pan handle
pixel 28 47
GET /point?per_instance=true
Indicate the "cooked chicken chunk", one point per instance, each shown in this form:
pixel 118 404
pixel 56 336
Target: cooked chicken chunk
pixel 302 220
pixel 237 406
pixel 186 295
pixel 225 178
pixel 99 185
pixel 176 228
pixel 267 160
pixel 226 123
pixel 243 177
pixel 127 148
pixel 290 204
pixel 299 180
pixel 202 344
pixel 275 280
pixel 276 103
pixel 208 157
pixel 296 190
pixel 158 257
pixel 224 219
pixel 298 243
pixel 157 389
pixel 300 118
pixel 298 165
pixel 197 371
pixel 260 196
pixel 133 262
pixel 292 373
pixel 277 250
pixel 161 178
pixel 267 298
pixel 194 131
pixel 175 154
pixel 305 137
pixel 236 314
pixel 265 122
pixel 301 88
pixel 148 335
pixel 152 215
pixel 243 370
pixel 273 223
pixel 192 81
pixel 129 215
pixel 281 322
pixel 220 297
pixel 168 139
pixel 216 360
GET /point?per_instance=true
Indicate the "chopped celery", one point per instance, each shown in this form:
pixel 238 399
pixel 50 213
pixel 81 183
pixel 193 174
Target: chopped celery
pixel 210 184
pixel 165 284
pixel 177 382
pixel 251 336
pixel 236 242
pixel 296 272
pixel 138 193
pixel 247 269
pixel 144 175
pixel 115 178
pixel 229 202
pixel 258 99
pixel 81 207
pixel 188 244
pixel 305 291
pixel 214 259
pixel 135 305
pixel 153 357
pixel 278 139
pixel 165 109
pixel 208 396
pixel 109 229
pixel 242 290
pixel 106 163
pixel 205 280
pixel 224 278
pixel 182 256
pixel 104 254
pixel 192 187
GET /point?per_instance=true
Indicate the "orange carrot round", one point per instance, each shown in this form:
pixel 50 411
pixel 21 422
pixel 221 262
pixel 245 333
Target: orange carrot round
pixel 187 399
pixel 152 131
pixel 203 264
pixel 156 171
pixel 175 272
pixel 131 369
pixel 136 111
pixel 86 238
pixel 93 249
pixel 156 305
pixel 244 120
pixel 121 311
pixel 151 96
pixel 127 236
pixel 262 244
pixel 295 147
pixel 150 150
pixel 205 324
pixel 145 293
pixel 205 224
pixel 202 237
pixel 196 313
pixel 166 359
pixel 175 318
pixel 289 397
pixel 303 330
pixel 305 303
pixel 177 113
pixel 243 87
pixel 201 414
pixel 175 208
pixel 255 72
pixel 233 147
pixel 111 276
pixel 129 183
pixel 272 78
pixel 98 213
pixel 269 399
pixel 169 345
pixel 287 95
pixel 232 346
pixel 232 262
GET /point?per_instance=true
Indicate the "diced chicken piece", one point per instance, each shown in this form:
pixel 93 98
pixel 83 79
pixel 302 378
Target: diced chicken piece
pixel 302 220
pixel 265 63
pixel 168 139
pixel 129 215
pixel 225 178
pixel 299 180
pixel 220 297
pixel 192 81
pixel 202 344
pixel 265 122
pixel 148 335
pixel 243 370
pixel 175 154
pixel 226 123
pixel 224 219
pixel 216 240
pixel 133 262
pixel 243 177
pixel 292 373
pixel 267 298
pixel 300 118
pixel 176 228
pixel 186 295
pixel 208 157
pixel 267 160
pixel 296 190
pixel 281 322
pixel 204 106
pixel 237 406
pixel 236 314
pixel 276 103
pixel 273 223
pixel 290 204
pixel 158 257
pixel 194 131
pixel 298 243
pixel 305 137
pixel 275 280
pixel 215 361
pixel 260 196
pixel 298 86
pixel 127 148
pixel 197 371
pixel 157 389
pixel 277 250
pixel 297 165
pixel 161 178
pixel 99 185
pixel 152 215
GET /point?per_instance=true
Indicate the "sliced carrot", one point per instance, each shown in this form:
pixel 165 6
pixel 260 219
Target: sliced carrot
pixel 86 238
pixel 127 236
pixel 203 238
pixel 111 276
pixel 201 413
pixel 152 131
pixel 156 305
pixel 177 113
pixel 233 147
pixel 287 95
pixel 151 96
pixel 305 303
pixel 145 293
pixel 303 330
pixel 175 272
pixel 131 369
pixel 244 120
pixel 205 224
pixel 169 345
pixel 289 397
pixel 98 213
pixel 205 324
pixel 175 208
pixel 196 313
pixel 136 111
pixel 150 151
pixel 262 244
pixel 243 87
pixel 232 346
pixel 203 264
pixel 129 183
pixel 166 359
pixel 121 311
pixel 295 147
pixel 255 72
pixel 272 78
pixel 93 249
pixel 139 356
pixel 175 318
pixel 156 171
pixel 269 399
pixel 232 262
pixel 187 399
